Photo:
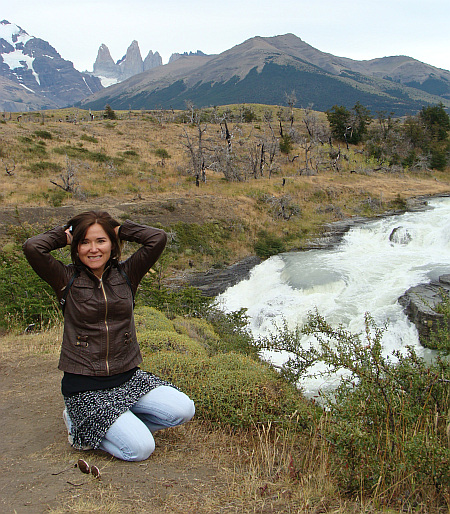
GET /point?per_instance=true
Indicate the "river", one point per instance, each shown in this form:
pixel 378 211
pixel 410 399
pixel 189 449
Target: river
pixel 366 272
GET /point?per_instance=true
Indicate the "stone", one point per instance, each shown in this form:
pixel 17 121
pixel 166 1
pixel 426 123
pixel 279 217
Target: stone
pixel 132 63
pixel 421 303
pixel 104 65
pixel 153 60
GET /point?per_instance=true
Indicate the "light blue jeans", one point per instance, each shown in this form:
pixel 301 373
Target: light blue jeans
pixel 130 436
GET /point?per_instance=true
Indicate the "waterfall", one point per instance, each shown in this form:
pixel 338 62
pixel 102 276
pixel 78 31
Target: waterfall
pixel 374 264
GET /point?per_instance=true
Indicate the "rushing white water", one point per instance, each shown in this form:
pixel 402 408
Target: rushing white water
pixel 366 272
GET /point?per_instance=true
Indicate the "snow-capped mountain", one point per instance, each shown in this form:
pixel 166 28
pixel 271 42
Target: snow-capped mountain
pixel 34 74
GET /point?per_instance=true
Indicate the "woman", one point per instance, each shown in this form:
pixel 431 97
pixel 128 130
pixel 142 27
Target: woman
pixel 111 404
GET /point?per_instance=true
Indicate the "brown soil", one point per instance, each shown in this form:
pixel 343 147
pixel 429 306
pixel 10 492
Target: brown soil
pixel 38 466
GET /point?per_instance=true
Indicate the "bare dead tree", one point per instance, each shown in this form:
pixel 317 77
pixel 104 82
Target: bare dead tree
pixel 68 177
pixel 196 152
pixel 9 168
pixel 291 100
pixel 226 134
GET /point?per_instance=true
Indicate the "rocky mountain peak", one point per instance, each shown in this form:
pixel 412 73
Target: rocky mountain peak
pixel 30 64
pixel 153 60
pixel 175 56
pixel 104 64
pixel 132 63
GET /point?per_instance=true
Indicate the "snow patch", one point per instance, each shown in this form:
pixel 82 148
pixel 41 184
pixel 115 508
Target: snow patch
pixel 18 59
pixel 87 85
pixel 106 81
pixel 27 88
pixel 13 34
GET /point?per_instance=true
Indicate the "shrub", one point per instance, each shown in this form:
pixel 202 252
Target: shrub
pixel 232 389
pixel 152 341
pixel 387 420
pixel 162 153
pixel 268 245
pixel 148 318
pixel 199 330
pixel 41 167
pixel 43 134
pixel 89 139
pixel 26 298
pixel 187 300
pixel 109 114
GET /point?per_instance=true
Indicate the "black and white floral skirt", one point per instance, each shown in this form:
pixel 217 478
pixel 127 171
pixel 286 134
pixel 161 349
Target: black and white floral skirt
pixel 93 412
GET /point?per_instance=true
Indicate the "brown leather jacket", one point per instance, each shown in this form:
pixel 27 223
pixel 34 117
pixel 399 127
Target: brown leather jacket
pixel 99 334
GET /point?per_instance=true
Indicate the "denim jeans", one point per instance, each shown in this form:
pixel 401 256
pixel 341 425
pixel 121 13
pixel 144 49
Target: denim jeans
pixel 130 436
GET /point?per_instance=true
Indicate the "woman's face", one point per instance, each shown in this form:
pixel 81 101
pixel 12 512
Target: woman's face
pixel 94 250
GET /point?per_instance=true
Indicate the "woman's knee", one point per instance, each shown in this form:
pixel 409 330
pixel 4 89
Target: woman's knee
pixel 172 406
pixel 140 450
pixel 128 438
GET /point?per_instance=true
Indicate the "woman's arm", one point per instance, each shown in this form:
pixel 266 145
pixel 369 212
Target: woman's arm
pixel 37 251
pixel 153 241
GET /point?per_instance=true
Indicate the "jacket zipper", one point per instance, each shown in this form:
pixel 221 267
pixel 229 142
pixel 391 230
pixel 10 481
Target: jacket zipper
pixel 106 326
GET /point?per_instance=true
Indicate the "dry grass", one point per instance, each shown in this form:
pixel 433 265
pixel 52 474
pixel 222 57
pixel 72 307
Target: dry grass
pixel 197 468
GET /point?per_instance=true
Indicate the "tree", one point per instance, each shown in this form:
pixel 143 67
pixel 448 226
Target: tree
pixel 436 124
pixel 436 121
pixel 109 114
pixel 349 126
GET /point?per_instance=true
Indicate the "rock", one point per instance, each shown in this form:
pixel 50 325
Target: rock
pixel 420 303
pixel 216 281
pixel 153 60
pixel 132 63
pixel 33 64
pixel 400 235
pixel 104 65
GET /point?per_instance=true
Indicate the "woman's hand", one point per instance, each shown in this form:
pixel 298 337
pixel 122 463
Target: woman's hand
pixel 116 230
pixel 69 236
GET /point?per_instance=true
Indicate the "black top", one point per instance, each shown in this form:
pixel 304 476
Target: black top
pixel 72 384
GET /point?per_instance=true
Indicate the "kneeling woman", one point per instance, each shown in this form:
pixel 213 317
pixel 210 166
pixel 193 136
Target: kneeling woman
pixel 111 404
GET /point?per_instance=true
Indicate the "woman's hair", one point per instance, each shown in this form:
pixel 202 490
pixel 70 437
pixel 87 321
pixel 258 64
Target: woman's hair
pixel 79 225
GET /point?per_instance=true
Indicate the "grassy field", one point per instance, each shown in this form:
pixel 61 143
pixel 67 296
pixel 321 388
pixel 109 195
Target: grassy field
pixel 141 166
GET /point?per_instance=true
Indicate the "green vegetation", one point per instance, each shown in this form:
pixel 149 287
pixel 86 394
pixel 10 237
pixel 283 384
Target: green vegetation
pixel 387 421
pixel 109 114
pixel 272 178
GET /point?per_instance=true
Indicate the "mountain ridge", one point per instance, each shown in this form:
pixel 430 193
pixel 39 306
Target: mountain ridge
pixel 259 70
pixel 243 73
pixel 34 74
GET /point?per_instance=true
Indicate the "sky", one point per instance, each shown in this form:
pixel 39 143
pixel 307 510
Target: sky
pixel 358 29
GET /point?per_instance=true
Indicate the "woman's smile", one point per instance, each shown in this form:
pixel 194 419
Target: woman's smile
pixel 94 250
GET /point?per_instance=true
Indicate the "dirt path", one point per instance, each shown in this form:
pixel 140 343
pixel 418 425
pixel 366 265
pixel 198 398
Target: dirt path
pixel 37 465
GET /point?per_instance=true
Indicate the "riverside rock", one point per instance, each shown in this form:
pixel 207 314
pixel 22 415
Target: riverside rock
pixel 421 305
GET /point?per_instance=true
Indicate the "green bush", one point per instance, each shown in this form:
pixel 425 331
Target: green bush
pixel 172 302
pixel 75 152
pixel 43 134
pixel 41 167
pixel 388 418
pixel 268 245
pixel 25 298
pixel 89 139
pixel 148 318
pixel 152 341
pixel 232 389
pixel 199 330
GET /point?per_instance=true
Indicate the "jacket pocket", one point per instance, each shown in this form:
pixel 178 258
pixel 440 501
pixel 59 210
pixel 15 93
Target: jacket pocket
pixel 120 287
pixel 82 290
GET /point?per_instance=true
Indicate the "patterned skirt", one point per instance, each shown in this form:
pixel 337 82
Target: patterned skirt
pixel 93 412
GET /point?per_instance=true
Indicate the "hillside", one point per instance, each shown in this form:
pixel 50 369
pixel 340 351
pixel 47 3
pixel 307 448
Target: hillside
pixel 140 166
pixel 255 444
pixel 264 70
